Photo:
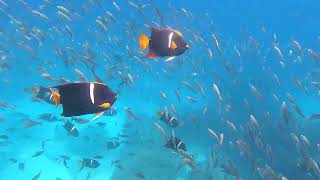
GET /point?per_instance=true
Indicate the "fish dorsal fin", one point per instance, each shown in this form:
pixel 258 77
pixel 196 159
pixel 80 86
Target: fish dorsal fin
pixel 98 115
pixel 143 41
pixel 151 54
pixel 178 32
pixel 173 45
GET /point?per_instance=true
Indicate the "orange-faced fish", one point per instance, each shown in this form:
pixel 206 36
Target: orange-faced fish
pixel 45 95
pixel 83 98
pixel 163 42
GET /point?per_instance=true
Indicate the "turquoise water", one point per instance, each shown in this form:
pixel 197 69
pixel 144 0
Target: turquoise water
pixel 265 54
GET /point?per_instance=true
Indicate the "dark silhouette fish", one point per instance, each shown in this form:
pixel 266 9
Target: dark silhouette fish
pixel 80 120
pixel 21 166
pixel 83 98
pixel 48 117
pixel 30 123
pixel 90 163
pixel 113 144
pixel 175 143
pixel 170 120
pixel 38 153
pixel 36 177
pixel 163 42
pixel 71 129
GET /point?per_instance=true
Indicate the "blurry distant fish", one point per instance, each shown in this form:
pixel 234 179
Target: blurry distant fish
pixel 48 117
pixel 21 166
pixel 94 73
pixel 140 175
pixel 116 6
pixel 36 177
pixel 230 169
pixel 38 153
pixel 255 91
pixel 163 42
pixel 84 98
pixel 189 86
pixel 217 91
pixel 285 112
pixel 4 137
pixel 13 160
pixel 111 112
pixel 314 117
pixel 90 163
pixel 160 129
pixel 297 46
pixel 80 120
pixel 314 55
pixel 7 105
pixel 216 42
pixel 191 99
pixel 30 123
pixel 278 52
pixel 131 114
pixel 231 125
pixel 113 144
pixel 80 75
pixel 200 88
pixel 159 16
pixel 163 95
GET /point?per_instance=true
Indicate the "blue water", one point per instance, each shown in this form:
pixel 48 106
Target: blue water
pixel 31 46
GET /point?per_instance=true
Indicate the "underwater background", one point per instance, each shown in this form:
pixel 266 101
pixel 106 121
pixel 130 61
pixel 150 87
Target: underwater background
pixel 246 92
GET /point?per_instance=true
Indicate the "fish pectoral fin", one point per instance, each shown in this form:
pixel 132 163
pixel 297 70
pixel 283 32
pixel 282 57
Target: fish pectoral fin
pixel 170 58
pixel 173 45
pixel 143 41
pixel 151 54
pixel 56 97
pixel 105 105
pixel 98 115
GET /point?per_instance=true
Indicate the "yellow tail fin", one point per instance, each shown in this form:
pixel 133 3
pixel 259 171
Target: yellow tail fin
pixel 56 97
pixel 143 41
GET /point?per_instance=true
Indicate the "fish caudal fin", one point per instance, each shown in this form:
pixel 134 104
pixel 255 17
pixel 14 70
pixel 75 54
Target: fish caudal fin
pixel 143 41
pixel 56 97
pixel 105 105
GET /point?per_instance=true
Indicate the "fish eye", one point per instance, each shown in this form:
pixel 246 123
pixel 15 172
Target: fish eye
pixel 187 46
